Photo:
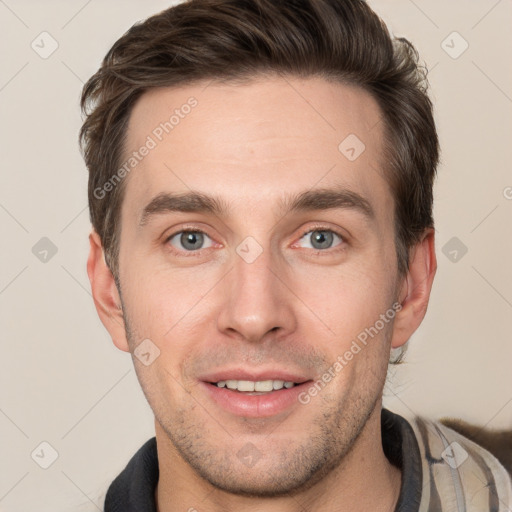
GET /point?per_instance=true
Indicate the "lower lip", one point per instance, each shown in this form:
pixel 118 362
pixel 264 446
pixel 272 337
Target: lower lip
pixel 254 406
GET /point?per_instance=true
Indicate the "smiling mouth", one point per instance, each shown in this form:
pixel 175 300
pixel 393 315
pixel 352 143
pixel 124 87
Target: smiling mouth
pixel 259 397
pixel 251 387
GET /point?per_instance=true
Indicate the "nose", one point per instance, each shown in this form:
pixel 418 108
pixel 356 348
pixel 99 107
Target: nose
pixel 256 300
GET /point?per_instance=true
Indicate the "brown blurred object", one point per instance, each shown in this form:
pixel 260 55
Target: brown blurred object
pixel 498 442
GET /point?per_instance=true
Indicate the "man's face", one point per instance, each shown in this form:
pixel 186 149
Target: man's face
pixel 258 291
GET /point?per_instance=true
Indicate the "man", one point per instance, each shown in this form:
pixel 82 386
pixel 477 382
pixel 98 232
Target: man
pixel 261 196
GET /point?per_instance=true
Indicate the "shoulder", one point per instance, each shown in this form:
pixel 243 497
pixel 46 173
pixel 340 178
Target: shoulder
pixel 459 474
pixel 133 489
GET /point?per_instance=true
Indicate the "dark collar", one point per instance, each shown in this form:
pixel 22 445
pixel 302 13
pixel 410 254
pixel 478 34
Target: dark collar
pixel 134 489
pixel 402 450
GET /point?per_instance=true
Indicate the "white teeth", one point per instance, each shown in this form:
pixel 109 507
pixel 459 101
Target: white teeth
pixel 278 384
pixel 232 384
pixel 262 386
pixel 245 385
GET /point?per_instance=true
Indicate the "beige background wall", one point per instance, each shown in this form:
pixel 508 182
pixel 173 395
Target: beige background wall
pixel 62 380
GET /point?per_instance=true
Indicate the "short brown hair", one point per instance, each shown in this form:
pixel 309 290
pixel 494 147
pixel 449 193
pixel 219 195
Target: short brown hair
pixel 340 40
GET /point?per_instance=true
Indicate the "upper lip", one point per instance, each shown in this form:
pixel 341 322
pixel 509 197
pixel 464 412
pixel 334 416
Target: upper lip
pixel 254 375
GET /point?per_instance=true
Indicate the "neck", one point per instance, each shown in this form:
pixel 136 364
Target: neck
pixel 364 480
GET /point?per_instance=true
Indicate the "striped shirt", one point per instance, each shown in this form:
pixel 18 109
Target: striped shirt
pixel 443 471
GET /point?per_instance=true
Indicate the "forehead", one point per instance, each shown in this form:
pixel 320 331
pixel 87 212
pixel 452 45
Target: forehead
pixel 252 143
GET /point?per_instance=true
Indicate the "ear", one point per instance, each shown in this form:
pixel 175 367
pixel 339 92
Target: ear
pixel 415 289
pixel 105 293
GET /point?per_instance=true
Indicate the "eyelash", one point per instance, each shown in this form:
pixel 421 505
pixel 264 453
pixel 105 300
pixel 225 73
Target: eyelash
pixel 331 250
pixel 186 254
pixel 316 252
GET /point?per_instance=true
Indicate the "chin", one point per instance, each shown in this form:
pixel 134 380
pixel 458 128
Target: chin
pixel 264 483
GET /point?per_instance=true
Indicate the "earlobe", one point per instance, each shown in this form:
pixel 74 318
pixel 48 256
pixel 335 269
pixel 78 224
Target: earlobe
pixel 105 294
pixel 415 289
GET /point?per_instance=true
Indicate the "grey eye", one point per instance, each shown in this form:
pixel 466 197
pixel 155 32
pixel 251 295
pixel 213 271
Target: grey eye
pixel 190 240
pixel 320 239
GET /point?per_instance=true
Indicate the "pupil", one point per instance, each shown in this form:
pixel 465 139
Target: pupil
pixel 321 239
pixel 194 239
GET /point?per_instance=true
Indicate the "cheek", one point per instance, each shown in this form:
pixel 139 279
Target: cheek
pixel 174 310
pixel 348 298
pixel 162 297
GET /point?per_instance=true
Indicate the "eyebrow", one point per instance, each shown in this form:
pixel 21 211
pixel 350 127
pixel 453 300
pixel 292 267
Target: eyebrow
pixel 310 200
